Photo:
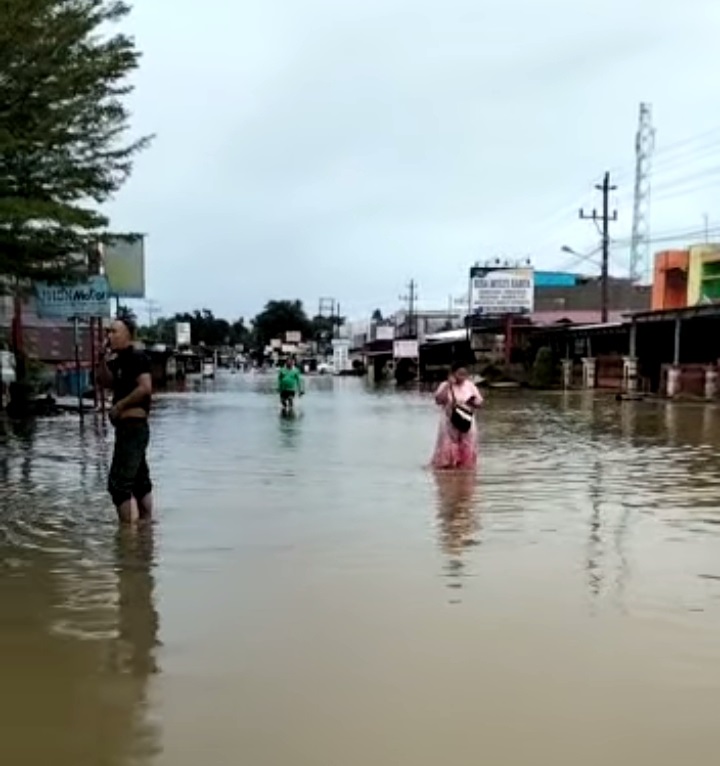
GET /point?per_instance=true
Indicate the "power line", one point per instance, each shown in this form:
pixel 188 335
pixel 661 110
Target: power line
pixel 662 235
pixel 678 153
pixel 591 257
pixel 687 186
pixel 701 234
pixel 680 144
pixel 670 163
pixel 617 245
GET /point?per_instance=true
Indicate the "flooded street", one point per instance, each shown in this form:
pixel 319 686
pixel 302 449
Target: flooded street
pixel 312 596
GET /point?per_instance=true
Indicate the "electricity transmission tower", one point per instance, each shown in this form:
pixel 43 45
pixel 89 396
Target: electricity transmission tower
pixel 640 242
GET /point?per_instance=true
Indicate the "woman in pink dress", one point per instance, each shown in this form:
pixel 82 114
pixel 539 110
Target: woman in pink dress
pixel 456 449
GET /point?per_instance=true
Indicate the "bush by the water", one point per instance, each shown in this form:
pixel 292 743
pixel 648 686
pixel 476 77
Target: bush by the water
pixel 543 373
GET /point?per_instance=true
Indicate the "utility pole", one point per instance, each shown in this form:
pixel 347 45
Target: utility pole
pixel 337 320
pixel 411 299
pixel 605 218
pixel 153 308
pixel 326 308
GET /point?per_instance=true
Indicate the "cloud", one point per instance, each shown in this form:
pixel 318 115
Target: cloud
pixel 326 148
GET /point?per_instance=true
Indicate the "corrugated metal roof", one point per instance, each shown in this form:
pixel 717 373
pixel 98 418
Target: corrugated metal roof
pixel 544 318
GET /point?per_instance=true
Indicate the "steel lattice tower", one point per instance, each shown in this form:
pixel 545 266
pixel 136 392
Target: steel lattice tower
pixel 640 243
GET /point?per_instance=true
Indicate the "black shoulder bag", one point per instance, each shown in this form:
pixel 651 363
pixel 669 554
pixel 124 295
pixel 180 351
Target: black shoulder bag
pixel 460 417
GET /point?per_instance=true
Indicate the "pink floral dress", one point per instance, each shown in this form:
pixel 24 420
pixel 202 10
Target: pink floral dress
pixel 455 450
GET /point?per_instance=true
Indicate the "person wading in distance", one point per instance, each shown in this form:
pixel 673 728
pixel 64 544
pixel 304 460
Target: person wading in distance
pixel 290 384
pixel 127 371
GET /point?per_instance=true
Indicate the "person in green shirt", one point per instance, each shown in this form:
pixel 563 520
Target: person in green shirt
pixel 290 384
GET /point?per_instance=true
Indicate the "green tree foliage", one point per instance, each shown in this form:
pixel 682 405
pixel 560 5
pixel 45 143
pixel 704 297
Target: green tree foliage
pixel 240 334
pixel 62 128
pixel 544 369
pixel 205 329
pixel 279 318
pixel 125 312
pixel 274 321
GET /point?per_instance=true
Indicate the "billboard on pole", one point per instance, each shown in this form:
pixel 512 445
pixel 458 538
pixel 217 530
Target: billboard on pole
pixel 384 332
pixel 406 349
pixel 124 263
pixel 501 290
pixel 82 300
pixel 183 334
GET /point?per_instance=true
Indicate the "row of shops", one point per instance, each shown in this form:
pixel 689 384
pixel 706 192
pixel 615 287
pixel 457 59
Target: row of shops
pixel 669 352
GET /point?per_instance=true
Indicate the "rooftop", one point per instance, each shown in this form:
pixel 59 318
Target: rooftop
pixel 667 315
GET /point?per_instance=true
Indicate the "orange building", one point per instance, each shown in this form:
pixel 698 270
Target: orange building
pixel 670 282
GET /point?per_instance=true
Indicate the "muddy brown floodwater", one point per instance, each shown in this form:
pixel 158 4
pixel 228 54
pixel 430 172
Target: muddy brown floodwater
pixel 312 597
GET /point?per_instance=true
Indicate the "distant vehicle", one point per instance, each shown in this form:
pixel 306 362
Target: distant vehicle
pixel 208 370
pixel 326 368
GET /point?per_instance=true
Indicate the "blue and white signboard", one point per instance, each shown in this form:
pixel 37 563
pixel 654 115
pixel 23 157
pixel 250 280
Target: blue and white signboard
pixel 75 301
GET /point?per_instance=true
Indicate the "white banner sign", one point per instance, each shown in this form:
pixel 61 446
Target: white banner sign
pixel 384 332
pixel 124 262
pixel 496 292
pixel 183 336
pixel 406 349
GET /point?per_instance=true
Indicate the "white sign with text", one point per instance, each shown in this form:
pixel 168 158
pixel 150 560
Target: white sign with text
pixel 501 291
pixel 406 349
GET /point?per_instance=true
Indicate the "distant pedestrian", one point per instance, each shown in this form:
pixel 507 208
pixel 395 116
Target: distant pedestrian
pixel 290 385
pixel 457 447
pixel 127 371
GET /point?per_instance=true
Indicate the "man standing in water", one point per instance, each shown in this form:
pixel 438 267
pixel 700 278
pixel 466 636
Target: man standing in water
pixel 127 371
pixel 289 384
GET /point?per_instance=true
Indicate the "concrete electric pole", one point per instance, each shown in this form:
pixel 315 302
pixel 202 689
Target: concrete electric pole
pixel 605 218
pixel 411 299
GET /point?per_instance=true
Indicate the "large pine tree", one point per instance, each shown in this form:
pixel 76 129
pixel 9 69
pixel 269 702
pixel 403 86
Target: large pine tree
pixel 63 120
pixel 63 130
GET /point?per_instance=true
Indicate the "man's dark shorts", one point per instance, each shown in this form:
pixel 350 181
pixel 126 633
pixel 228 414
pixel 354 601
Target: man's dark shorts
pixel 287 398
pixel 129 472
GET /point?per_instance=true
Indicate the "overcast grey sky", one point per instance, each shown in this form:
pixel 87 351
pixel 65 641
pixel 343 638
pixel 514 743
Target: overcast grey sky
pixel 338 148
